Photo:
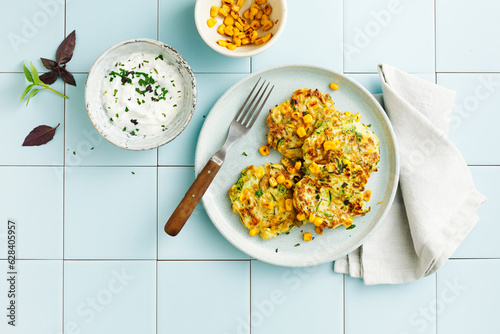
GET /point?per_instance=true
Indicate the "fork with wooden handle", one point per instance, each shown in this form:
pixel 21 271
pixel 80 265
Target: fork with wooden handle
pixel 241 124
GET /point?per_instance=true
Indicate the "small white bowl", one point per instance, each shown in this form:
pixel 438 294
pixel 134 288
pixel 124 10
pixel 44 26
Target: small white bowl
pixel 93 95
pixel 211 36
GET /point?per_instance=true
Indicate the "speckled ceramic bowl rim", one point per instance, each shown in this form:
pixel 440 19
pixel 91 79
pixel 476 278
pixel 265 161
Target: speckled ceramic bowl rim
pixel 198 167
pixel 229 53
pixel 182 61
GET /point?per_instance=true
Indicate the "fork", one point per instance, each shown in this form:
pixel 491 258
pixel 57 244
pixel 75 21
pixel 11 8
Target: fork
pixel 243 121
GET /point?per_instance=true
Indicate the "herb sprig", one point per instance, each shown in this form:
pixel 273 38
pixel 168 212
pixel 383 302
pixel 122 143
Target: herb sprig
pixel 32 76
pixel 64 54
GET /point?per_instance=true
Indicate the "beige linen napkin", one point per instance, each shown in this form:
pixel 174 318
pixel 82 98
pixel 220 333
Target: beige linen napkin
pixel 436 203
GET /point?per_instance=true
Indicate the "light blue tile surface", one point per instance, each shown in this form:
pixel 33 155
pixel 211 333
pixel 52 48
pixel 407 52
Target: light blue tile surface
pixel 468 294
pixel 482 242
pixel 30 29
pixel 39 299
pixel 33 198
pixel 46 108
pixel 214 298
pixel 317 43
pixel 473 124
pixel 181 150
pixel 110 297
pixel 296 300
pixel 395 32
pixel 110 213
pixel 371 81
pixel 84 144
pixel 466 34
pixel 177 28
pixel 100 24
pixel 404 309
pixel 199 239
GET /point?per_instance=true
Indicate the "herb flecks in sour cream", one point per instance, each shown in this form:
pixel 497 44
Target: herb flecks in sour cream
pixel 142 94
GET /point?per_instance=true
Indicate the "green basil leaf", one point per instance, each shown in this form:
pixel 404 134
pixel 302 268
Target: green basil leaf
pixel 32 94
pixel 34 73
pixel 27 73
pixel 26 91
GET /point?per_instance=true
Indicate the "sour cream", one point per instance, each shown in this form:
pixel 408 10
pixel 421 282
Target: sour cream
pixel 142 94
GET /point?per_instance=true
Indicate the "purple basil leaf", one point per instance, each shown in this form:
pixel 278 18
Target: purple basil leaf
pixel 49 78
pixel 49 64
pixel 66 76
pixel 40 135
pixel 65 50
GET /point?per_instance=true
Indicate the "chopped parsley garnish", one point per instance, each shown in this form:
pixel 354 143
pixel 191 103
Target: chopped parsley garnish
pixel 244 154
pixel 159 57
pixel 116 91
pixel 351 227
pixel 124 129
pixel 259 193
pixel 296 245
pixel 133 173
pixel 126 109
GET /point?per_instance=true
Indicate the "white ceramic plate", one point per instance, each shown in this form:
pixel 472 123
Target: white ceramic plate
pixel 282 250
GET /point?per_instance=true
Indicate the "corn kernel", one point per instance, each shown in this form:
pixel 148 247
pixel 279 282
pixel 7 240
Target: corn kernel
pixel 330 145
pixel 267 9
pixel 245 41
pixel 214 10
pixel 307 236
pixel 236 41
pixel 268 205
pixel 260 2
pixel 301 132
pixel 238 26
pixel 314 168
pixel 357 117
pixel 220 29
pixel 319 230
pixel 259 41
pixel 228 2
pixel 318 221
pixel 298 165
pixel 347 113
pixel 267 25
pixel 253 232
pixel 255 24
pixel 246 14
pixel 240 3
pixel 296 115
pixel 367 195
pixel 256 6
pixel 228 30
pixel 346 161
pixel 254 36
pixel 308 119
pixel 264 18
pixel 235 8
pixel 280 179
pixel 334 86
pixel 289 204
pixel 313 105
pixel 236 31
pixel 348 222
pixel 234 15
pixel 282 207
pixel 288 184
pixel 224 11
pixel 266 38
pixel 291 169
pixel 259 173
pixel 312 217
pixel 259 14
pixel 211 22
pixel 253 12
pixel 273 182
pixel 301 216
pixel 222 43
pixel 228 21
pixel 231 46
pixel 285 161
pixel 264 150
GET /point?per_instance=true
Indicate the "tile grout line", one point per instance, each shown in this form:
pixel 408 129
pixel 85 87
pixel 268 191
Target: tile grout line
pixel 435 42
pixel 64 186
pixel 250 311
pixel 436 314
pixel 157 20
pixel 343 301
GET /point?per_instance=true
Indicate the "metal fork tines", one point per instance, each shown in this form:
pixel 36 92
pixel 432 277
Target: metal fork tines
pixel 245 118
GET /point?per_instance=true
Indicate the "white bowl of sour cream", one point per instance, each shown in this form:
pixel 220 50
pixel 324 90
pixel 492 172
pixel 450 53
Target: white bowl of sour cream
pixel 140 94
